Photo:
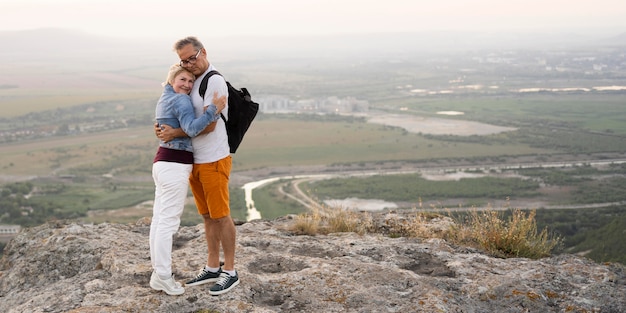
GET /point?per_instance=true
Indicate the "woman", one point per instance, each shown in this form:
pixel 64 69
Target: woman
pixel 171 168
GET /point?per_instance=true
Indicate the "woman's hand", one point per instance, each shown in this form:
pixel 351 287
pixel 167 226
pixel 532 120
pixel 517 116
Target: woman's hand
pixel 164 132
pixel 219 102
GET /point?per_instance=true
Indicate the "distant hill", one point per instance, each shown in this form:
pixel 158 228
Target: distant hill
pixel 62 57
pixel 60 44
pixel 40 40
pixel 63 43
pixel 619 40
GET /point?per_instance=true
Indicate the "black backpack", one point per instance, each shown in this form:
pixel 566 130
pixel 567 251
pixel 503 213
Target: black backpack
pixel 241 111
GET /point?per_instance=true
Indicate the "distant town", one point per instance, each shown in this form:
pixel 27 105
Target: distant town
pixel 282 104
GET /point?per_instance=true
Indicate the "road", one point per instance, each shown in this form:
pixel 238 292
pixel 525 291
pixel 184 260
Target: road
pixel 301 197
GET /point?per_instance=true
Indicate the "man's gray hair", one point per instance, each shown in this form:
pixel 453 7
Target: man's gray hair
pixel 197 45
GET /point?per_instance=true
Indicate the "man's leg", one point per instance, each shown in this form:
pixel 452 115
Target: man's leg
pixel 202 183
pixel 222 226
pixel 220 232
pixel 213 234
pixel 229 278
pixel 228 235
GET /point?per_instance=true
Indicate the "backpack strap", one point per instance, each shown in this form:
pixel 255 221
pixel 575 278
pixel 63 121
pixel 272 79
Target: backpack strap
pixel 205 82
pixel 203 86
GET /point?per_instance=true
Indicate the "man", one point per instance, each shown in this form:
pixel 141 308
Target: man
pixel 210 174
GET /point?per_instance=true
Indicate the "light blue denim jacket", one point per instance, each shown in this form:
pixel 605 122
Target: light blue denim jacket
pixel 175 109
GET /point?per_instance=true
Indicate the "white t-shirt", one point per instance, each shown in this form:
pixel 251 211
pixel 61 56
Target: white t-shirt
pixel 213 146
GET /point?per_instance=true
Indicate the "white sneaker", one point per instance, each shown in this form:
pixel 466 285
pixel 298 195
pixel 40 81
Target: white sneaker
pixel 170 286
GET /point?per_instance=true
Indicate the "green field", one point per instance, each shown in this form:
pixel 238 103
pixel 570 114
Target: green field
pixel 86 145
pixel 123 151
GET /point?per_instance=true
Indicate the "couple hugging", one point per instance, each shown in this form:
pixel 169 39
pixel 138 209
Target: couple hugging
pixel 193 151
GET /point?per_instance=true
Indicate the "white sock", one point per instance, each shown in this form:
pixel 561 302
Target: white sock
pixel 232 273
pixel 211 269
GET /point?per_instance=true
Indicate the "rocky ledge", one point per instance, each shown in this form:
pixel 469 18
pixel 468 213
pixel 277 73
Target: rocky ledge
pixel 68 267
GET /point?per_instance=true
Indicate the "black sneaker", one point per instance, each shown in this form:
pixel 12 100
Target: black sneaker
pixel 224 284
pixel 205 276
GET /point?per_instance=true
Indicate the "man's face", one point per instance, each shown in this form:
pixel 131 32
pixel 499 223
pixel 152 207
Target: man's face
pixel 193 60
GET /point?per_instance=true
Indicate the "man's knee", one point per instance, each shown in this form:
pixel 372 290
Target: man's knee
pixel 223 219
pixel 208 217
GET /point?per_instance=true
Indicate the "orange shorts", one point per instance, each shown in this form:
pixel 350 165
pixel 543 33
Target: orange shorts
pixel 209 185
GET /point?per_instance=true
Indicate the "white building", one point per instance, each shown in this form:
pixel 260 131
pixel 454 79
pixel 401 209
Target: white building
pixel 8 231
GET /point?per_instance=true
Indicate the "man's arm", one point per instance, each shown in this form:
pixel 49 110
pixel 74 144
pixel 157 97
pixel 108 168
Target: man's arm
pixel 209 128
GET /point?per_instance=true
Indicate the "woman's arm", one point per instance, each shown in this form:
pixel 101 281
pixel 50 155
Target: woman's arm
pixel 191 126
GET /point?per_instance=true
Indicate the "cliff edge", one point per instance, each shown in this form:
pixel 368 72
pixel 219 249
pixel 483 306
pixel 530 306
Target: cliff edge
pixel 68 267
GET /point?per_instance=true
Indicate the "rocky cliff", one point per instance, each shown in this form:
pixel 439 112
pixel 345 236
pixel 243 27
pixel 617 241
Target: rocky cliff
pixel 67 267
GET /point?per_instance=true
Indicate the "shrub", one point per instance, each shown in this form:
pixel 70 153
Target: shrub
pixel 516 237
pixel 306 224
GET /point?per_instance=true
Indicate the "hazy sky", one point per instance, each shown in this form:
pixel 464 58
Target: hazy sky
pixel 157 18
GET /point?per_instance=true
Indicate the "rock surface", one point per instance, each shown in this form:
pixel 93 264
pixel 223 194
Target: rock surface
pixel 67 267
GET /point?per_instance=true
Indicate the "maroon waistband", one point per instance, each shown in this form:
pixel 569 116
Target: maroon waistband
pixel 171 155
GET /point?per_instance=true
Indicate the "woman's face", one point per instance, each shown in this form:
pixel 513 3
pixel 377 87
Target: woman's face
pixel 183 82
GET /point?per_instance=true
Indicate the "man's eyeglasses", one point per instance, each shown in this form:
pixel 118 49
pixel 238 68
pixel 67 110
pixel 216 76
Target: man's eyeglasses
pixel 191 60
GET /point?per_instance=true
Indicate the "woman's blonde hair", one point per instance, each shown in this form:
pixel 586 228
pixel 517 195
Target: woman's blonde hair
pixel 174 71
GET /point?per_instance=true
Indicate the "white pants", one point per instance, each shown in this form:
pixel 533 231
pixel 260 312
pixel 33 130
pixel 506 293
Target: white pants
pixel 172 183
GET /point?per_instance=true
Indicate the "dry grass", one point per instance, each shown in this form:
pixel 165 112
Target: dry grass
pixel 325 221
pixel 488 230
pixel 516 236
pixel 307 224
